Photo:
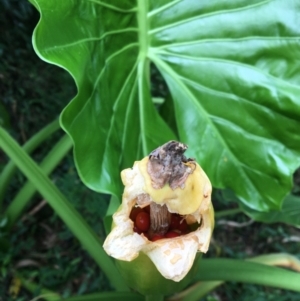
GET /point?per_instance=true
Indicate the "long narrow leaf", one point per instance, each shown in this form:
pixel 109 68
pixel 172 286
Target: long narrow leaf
pixel 45 294
pixel 63 208
pixel 56 154
pixel 29 146
pixel 197 291
pixel 202 288
pixel 106 296
pixel 247 272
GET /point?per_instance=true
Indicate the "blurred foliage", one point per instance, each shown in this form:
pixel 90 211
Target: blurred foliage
pixel 40 247
pixel 243 239
pixel 24 78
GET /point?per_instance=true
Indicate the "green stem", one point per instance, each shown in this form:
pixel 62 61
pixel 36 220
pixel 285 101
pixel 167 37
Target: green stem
pixel 202 288
pixel 142 81
pixel 73 220
pixel 29 146
pixel 142 19
pixel 143 67
pixel 248 272
pixel 228 212
pixel 196 291
pixel 18 204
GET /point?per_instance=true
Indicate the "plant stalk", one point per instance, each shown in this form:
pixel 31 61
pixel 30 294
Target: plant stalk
pixel 24 195
pixel 29 146
pixel 70 216
pixel 160 219
pixel 202 288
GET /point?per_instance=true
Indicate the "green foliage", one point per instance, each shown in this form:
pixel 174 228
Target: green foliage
pixel 232 85
pixel 289 212
pixel 231 69
pixel 75 222
pixel 245 271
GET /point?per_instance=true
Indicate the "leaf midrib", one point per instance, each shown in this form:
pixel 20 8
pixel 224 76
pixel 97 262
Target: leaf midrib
pixel 158 61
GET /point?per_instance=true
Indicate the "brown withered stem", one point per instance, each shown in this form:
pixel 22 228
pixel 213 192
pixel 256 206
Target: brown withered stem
pixel 166 166
pixel 160 219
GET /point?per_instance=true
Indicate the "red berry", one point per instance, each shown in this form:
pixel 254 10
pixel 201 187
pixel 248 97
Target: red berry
pixel 137 230
pixel 172 234
pixel 183 226
pixel 157 237
pixel 175 221
pixel 134 212
pixel 142 221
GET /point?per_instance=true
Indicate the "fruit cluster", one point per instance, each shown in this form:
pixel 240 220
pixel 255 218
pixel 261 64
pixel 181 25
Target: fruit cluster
pixel 141 219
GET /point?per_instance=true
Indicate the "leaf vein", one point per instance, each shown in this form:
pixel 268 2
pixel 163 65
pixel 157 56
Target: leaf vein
pixel 228 95
pixel 235 40
pixel 117 100
pixel 91 39
pixel 127 117
pixel 101 73
pixel 187 20
pixel 112 7
pixel 162 8
pixel 168 69
pixel 229 62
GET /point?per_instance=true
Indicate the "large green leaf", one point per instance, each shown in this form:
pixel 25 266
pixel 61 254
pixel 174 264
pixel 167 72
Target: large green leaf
pixel 232 69
pixel 289 213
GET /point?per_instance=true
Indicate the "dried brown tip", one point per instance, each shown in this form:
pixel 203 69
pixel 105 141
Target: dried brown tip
pixel 166 165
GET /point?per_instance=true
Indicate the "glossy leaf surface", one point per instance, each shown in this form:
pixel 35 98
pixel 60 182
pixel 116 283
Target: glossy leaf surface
pixel 248 272
pixel 289 213
pixel 233 71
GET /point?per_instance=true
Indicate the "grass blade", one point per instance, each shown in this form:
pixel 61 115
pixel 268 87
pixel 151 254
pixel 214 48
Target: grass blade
pixel 52 159
pixel 9 170
pixel 63 208
pixel 248 272
pixel 106 296
pixel 202 288
pixel 45 294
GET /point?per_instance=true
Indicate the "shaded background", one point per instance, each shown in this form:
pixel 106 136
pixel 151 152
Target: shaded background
pixel 40 248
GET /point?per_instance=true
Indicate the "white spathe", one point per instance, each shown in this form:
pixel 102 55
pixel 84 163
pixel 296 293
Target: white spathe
pixel 173 257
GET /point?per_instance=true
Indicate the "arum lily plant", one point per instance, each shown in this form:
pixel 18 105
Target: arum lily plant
pixel 232 82
pixel 180 221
